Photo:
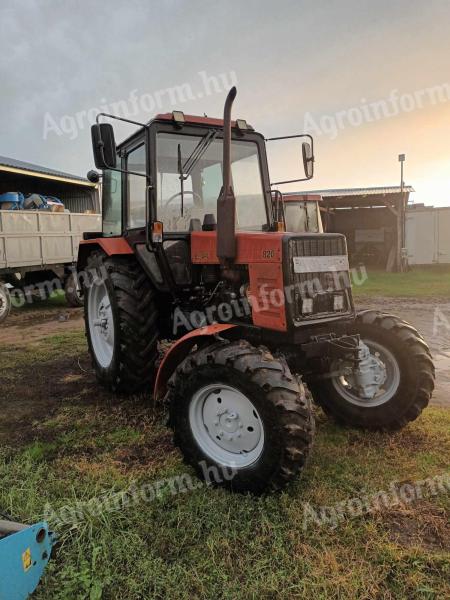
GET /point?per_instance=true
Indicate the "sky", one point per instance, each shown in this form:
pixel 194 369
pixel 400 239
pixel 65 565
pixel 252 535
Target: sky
pixel 369 80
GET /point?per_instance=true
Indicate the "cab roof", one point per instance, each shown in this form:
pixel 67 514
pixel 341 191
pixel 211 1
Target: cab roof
pixel 187 120
pixel 296 197
pixel 193 119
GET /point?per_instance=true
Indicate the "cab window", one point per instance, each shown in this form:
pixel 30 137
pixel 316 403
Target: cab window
pixel 112 203
pixel 136 188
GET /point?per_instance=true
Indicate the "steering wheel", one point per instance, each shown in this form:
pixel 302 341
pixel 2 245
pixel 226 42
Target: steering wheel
pixel 193 194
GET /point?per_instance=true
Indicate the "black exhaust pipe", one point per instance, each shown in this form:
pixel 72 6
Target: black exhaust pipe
pixel 226 202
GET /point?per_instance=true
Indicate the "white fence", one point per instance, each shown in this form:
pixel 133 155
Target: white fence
pixel 428 236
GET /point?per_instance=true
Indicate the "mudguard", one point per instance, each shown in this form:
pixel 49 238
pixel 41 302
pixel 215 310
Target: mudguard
pixel 111 246
pixel 178 351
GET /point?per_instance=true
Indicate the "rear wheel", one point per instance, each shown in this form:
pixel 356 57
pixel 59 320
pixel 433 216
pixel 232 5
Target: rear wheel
pixel 72 290
pixel 239 417
pixel 5 302
pixel 392 386
pixel 121 323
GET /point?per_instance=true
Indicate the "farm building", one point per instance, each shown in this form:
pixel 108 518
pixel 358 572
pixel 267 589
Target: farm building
pixel 381 226
pixel 78 194
pixel 377 227
pixel 372 219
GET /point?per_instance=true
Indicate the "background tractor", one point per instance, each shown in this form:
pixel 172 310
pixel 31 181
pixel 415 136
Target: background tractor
pixel 302 212
pixel 194 250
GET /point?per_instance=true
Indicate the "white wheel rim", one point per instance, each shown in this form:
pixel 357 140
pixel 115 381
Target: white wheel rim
pixel 386 391
pixel 226 425
pixel 3 301
pixel 101 323
pixel 76 287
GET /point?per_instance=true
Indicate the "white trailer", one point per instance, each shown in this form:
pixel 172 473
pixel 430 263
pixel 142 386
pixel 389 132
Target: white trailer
pixel 31 240
pixel 427 235
pixel 39 245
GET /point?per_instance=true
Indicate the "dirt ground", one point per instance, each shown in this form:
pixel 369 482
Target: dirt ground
pixel 432 319
pixel 23 328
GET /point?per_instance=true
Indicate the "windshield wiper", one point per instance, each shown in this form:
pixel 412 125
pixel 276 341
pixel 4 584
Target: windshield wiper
pixel 185 170
pixel 198 152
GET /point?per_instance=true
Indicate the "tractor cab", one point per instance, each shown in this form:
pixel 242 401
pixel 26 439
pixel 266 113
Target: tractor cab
pixel 171 172
pixel 173 175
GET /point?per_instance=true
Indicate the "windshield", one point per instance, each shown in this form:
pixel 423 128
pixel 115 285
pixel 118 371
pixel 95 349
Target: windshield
pixel 202 181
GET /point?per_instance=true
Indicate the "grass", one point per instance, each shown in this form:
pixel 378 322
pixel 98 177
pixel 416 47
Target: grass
pixel 56 299
pixel 417 283
pixel 79 443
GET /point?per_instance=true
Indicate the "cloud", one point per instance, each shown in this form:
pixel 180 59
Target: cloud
pixel 290 57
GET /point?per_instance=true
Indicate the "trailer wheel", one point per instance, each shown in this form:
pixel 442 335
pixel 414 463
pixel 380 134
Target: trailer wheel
pixel 239 417
pixel 5 302
pixel 121 323
pixel 72 290
pixel 407 374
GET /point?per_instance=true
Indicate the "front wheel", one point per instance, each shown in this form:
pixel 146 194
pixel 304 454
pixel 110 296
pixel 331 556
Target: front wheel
pixel 239 417
pixel 393 383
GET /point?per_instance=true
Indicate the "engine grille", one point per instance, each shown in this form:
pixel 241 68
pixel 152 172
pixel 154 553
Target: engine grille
pixel 320 286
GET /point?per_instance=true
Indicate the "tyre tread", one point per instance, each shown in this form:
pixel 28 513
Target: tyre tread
pixel 273 377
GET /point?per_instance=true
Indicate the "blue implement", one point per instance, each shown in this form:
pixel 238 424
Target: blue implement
pixel 24 554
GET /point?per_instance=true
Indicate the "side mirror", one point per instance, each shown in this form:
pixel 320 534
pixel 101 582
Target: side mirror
pixel 307 153
pixel 104 146
pixel 308 159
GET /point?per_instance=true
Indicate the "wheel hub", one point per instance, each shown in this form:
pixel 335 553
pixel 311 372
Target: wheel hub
pixel 370 374
pixel 226 425
pixel 101 324
pixel 375 378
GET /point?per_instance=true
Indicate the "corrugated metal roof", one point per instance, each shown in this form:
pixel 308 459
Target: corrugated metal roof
pixel 372 191
pixel 24 166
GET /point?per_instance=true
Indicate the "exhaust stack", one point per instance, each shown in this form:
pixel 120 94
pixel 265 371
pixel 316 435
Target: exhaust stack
pixel 226 203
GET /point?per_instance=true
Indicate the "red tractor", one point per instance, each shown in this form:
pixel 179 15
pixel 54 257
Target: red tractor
pixel 194 251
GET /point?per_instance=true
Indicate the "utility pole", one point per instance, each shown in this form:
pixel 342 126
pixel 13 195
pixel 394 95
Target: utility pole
pixel 401 219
